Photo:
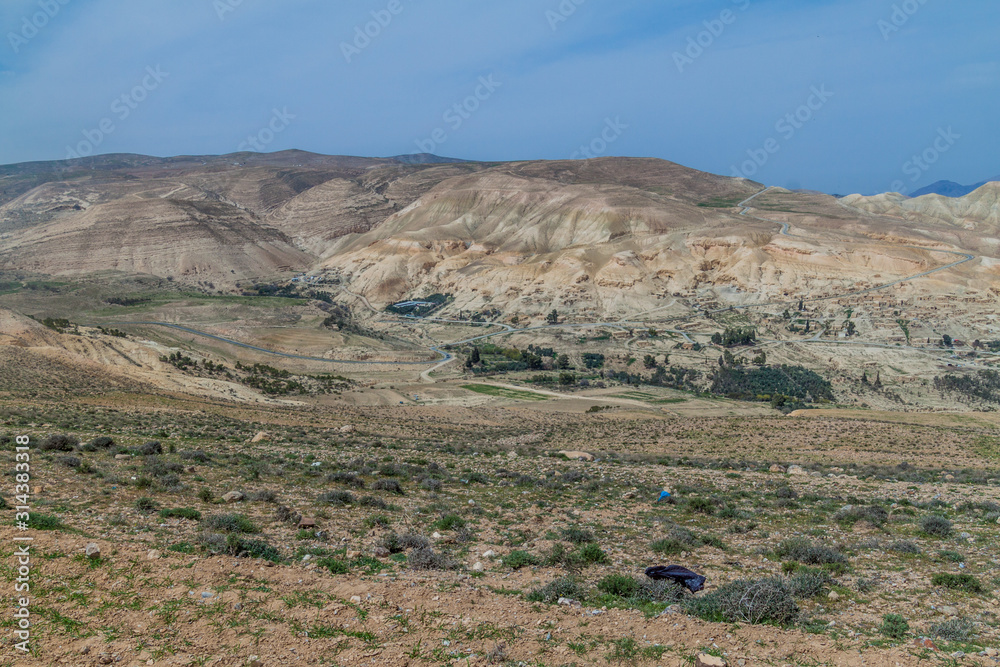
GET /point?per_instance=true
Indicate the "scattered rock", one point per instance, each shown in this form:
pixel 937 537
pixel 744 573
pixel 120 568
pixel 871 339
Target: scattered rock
pixel 834 595
pixel 949 478
pixel 261 436
pixel 948 611
pixel 796 470
pixel 306 522
pixel 436 535
pixel 347 428
pixel 924 642
pixel 776 468
pixel 93 551
pixel 381 552
pixel 578 456
pixel 356 599
pixel 706 660
pixel 629 495
pixel 254 661
pixel 478 567
pixel 352 554
pixel 153 554
pixel 512 454
pixel 122 457
pixel 490 554
pixel 105 660
pixel 233 497
pixel 958 654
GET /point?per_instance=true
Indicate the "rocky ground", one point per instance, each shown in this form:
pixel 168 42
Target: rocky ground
pixel 461 538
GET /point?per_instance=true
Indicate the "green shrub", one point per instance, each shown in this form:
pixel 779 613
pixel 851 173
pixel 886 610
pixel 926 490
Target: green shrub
pixel 746 601
pixel 238 546
pixel 518 559
pixel 564 587
pixel 389 485
pixel 578 535
pixel 952 556
pixel 620 585
pixel 935 525
pixel 804 551
pixel 333 565
pixel 667 546
pixel 808 582
pixel 955 630
pixel 590 554
pixel 206 495
pixel 336 498
pixel 873 514
pixel 961 582
pixel 39 521
pixel 59 443
pixel 894 626
pixel 146 505
pixel 449 522
pixel 230 523
pixel 181 513
pixel 701 505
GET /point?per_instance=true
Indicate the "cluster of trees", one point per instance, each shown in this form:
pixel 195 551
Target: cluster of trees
pixel 734 336
pixel 178 360
pixel 592 360
pixel 763 384
pixel 60 325
pixel 984 384
pixel 117 333
pixel 340 318
pixel 675 377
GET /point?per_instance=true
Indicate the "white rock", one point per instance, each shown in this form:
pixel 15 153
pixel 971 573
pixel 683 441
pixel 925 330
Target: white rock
pixel 93 551
pixel 233 497
pixel 478 567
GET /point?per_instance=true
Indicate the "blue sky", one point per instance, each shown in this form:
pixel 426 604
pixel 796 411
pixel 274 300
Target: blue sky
pixel 833 95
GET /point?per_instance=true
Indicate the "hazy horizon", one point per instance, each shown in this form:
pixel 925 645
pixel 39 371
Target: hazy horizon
pixel 839 96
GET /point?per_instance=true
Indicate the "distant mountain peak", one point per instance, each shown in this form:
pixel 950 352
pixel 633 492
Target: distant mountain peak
pixel 951 188
pixel 426 158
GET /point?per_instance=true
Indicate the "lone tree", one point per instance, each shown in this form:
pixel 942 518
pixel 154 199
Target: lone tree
pixel 553 317
pixel 649 361
pixel 946 339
